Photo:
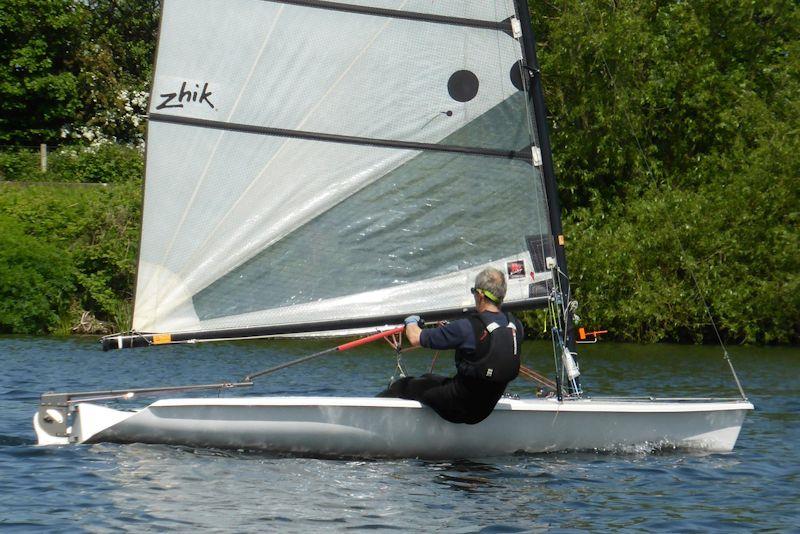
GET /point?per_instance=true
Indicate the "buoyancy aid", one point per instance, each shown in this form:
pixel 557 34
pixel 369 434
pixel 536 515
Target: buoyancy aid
pixel 496 355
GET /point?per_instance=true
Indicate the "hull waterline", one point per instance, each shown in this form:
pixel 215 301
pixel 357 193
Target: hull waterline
pixel 372 427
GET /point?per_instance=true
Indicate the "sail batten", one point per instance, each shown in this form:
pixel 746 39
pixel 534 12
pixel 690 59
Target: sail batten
pixel 522 154
pixel 365 9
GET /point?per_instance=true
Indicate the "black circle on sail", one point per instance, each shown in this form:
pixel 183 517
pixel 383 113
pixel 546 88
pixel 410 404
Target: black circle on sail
pixel 462 85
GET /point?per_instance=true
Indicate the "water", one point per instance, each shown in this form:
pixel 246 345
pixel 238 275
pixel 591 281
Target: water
pixel 107 487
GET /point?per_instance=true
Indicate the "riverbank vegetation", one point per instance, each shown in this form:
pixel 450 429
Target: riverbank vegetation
pixel 676 137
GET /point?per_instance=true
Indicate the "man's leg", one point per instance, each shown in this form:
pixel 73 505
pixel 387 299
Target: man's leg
pixel 413 388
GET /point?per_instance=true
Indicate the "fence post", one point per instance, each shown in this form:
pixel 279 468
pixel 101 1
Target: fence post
pixel 43 157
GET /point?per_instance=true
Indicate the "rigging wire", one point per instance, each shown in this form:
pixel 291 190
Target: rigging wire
pixel 396 342
pixel 652 177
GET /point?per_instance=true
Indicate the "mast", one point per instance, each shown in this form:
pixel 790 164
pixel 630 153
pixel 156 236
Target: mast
pixel 540 120
pixel 536 98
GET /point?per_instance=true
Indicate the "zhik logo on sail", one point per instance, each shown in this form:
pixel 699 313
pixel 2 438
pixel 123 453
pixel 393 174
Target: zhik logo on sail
pixel 186 96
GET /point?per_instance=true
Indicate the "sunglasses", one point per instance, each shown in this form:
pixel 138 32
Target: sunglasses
pixel 485 294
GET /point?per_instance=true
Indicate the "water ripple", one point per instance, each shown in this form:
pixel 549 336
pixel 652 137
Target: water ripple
pixel 105 487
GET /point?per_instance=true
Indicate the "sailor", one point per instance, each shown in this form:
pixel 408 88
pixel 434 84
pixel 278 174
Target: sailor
pixel 487 356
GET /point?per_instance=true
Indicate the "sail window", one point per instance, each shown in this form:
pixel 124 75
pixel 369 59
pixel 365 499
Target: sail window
pixel 463 86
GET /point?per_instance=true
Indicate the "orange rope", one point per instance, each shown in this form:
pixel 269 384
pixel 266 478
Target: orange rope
pixel 532 375
pixel 433 361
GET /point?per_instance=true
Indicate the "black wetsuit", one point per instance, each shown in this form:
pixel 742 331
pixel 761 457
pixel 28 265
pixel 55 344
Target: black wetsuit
pixel 462 398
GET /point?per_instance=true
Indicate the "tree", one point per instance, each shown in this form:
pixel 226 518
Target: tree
pixel 116 64
pixel 640 91
pixel 39 45
pixel 75 69
pixel 674 132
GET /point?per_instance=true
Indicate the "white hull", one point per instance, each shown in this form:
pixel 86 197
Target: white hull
pixel 378 427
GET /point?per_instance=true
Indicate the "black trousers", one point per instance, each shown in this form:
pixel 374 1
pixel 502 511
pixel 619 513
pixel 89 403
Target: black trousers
pixel 457 399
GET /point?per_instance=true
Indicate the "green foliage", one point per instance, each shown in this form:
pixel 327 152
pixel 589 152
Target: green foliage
pixel 116 59
pixel 75 69
pixel 634 266
pixel 39 43
pixel 106 259
pixel 126 30
pixel 36 281
pixel 106 163
pixel 639 86
pixel 19 164
pixel 535 323
pixel 675 138
pixel 93 231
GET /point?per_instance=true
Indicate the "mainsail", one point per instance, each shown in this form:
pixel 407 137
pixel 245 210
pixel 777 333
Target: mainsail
pixel 314 164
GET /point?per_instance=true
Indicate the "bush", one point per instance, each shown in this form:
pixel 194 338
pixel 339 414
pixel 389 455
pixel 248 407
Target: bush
pixel 634 266
pixel 19 165
pixel 36 281
pixel 674 132
pixel 106 163
pixel 93 229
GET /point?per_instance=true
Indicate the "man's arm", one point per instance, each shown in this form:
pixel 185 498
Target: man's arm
pixel 450 336
pixel 455 335
pixel 413 332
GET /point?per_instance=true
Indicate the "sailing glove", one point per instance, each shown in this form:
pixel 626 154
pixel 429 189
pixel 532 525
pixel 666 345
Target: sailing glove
pixel 412 319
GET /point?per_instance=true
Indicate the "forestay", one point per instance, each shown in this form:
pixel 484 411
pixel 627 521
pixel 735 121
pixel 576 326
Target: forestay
pixel 310 161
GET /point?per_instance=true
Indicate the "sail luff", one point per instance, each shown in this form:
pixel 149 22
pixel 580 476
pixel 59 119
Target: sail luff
pixel 562 304
pixel 136 280
pixel 540 118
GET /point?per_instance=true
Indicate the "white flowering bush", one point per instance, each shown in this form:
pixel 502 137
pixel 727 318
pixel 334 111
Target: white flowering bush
pixel 121 124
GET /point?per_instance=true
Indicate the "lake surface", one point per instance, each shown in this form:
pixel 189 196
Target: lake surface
pixel 105 487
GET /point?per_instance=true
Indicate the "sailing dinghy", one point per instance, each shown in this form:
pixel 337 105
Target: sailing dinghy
pixel 332 167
